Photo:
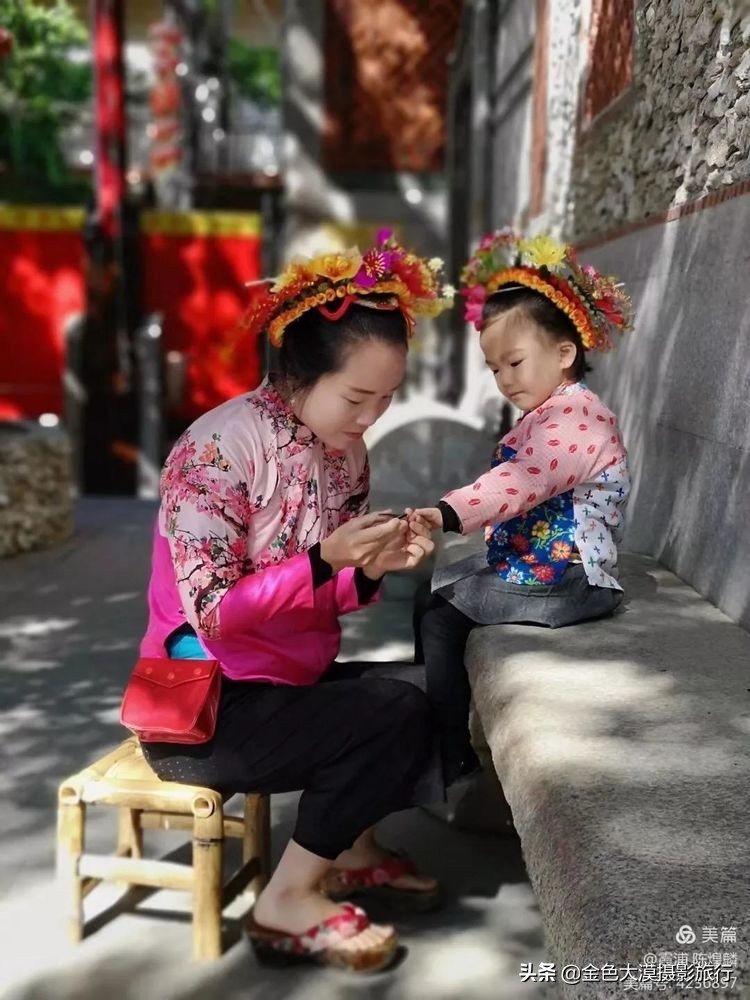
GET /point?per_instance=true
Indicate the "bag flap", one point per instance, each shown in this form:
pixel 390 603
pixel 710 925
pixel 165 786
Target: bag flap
pixel 171 673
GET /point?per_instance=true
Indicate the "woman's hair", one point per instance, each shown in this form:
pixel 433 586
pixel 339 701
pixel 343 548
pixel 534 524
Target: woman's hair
pixel 537 308
pixel 314 346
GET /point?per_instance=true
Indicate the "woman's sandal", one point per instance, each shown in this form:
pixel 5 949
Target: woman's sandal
pixel 319 943
pixel 376 881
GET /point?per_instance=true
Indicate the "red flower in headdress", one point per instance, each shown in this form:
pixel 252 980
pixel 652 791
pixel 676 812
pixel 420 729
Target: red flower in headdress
pixel 412 272
pixel 375 264
pixel 475 297
pixel 611 310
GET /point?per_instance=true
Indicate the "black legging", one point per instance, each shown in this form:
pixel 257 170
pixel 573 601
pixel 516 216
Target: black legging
pixel 440 635
pixel 441 632
pixel 355 746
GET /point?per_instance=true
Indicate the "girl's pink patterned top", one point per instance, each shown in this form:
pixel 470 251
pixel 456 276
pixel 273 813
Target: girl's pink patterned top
pixel 571 444
pixel 245 493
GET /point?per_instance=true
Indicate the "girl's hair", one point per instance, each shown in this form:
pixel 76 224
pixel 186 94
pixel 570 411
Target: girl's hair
pixel 537 308
pixel 314 346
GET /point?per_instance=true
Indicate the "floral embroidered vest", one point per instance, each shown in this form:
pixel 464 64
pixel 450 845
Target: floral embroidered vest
pixel 534 548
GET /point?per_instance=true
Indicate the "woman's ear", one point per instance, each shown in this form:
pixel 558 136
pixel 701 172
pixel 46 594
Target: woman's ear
pixel 568 354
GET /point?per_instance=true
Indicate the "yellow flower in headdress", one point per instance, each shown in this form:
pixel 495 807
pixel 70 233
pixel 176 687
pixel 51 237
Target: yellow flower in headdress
pixel 296 270
pixel 336 266
pixel 543 251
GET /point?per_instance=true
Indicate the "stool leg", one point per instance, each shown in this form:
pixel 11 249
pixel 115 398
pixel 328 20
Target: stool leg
pixel 265 841
pixel 256 842
pixel 71 818
pixel 208 857
pixel 129 833
pixel 129 838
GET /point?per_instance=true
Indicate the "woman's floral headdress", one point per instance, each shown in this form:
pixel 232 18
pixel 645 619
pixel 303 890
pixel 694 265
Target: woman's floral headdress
pixel 332 282
pixel 596 304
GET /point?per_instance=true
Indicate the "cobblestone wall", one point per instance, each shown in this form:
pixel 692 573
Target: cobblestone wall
pixel 682 130
pixel 36 498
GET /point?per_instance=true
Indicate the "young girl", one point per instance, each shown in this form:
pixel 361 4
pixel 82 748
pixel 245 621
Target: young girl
pixel 552 504
pixel 263 541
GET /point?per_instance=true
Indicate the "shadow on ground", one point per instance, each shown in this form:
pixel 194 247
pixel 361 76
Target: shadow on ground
pixel 69 630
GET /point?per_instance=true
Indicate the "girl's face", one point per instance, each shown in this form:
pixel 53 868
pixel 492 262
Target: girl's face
pixel 341 406
pixel 528 364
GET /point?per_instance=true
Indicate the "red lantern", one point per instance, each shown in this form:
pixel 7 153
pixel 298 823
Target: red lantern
pixel 163 157
pixel 161 32
pixel 165 130
pixel 165 98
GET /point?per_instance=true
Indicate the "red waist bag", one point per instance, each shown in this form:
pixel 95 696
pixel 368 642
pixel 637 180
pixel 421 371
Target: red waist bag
pixel 172 701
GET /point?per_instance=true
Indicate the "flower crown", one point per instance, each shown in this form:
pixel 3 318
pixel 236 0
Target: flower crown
pixel 332 282
pixel 597 306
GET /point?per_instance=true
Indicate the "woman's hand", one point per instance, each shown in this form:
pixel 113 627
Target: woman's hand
pixel 433 516
pixel 358 541
pixel 406 553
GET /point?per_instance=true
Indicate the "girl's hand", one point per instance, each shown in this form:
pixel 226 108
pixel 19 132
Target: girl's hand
pixel 431 516
pixel 356 542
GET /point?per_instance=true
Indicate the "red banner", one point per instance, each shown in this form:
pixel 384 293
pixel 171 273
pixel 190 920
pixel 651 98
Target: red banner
pixel 41 269
pixel 195 266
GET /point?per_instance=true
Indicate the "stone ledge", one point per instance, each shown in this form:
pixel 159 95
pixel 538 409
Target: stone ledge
pixel 36 488
pixel 622 747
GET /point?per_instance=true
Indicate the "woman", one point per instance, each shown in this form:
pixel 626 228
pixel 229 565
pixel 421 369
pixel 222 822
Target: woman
pixel 263 541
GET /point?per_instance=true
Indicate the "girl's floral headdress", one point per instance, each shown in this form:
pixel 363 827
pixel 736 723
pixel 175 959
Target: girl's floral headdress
pixel 596 304
pixel 332 282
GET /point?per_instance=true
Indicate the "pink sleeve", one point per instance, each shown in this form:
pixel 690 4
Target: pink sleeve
pixel 255 598
pixel 206 511
pixel 567 441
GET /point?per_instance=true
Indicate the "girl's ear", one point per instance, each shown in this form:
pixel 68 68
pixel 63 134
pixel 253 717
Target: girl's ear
pixel 568 353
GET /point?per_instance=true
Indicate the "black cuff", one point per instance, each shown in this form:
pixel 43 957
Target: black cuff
pixel 366 588
pixel 322 571
pixel 451 520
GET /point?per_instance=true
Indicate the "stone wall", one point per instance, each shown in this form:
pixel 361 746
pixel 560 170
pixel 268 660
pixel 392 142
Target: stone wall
pixel 682 130
pixel 680 384
pixel 566 62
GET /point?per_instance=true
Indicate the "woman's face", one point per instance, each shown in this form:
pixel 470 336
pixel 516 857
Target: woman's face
pixel 340 407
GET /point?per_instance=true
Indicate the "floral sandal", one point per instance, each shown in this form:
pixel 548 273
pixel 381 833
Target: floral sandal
pixel 375 883
pixel 319 943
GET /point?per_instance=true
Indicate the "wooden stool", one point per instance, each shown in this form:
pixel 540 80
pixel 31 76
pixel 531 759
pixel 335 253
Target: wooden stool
pixel 124 779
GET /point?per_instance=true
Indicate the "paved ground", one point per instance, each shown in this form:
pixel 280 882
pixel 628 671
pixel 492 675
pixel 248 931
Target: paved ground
pixel 70 622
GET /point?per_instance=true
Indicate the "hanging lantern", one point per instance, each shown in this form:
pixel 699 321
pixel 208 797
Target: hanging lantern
pixel 165 98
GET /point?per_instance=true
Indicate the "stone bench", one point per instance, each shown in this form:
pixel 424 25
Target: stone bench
pixel 623 749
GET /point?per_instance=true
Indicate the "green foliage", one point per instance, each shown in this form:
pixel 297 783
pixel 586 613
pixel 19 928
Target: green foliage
pixel 255 72
pixel 40 90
